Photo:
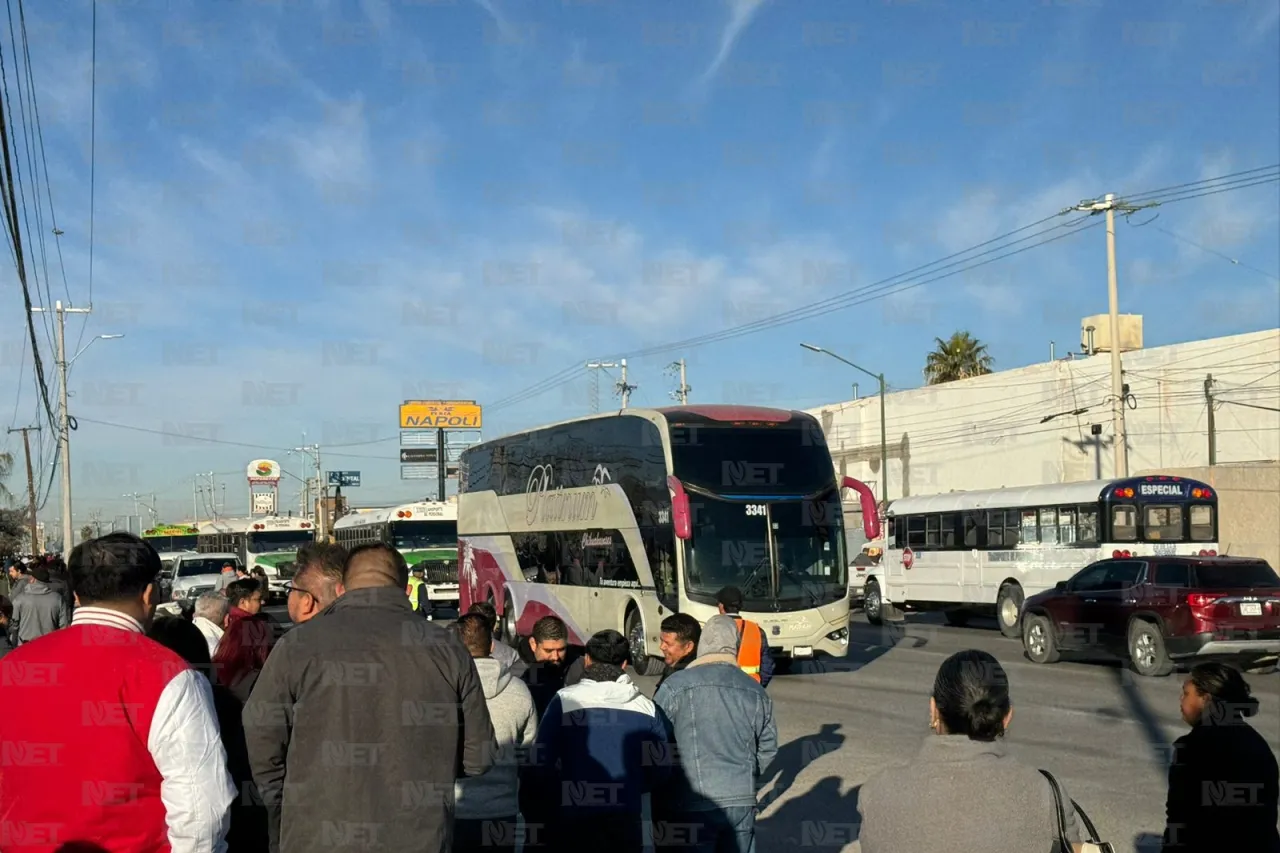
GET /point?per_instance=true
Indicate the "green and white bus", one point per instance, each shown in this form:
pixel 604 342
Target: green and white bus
pixel 425 533
pixel 270 543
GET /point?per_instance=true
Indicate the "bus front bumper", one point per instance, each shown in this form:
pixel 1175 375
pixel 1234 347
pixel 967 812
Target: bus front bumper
pixel 834 643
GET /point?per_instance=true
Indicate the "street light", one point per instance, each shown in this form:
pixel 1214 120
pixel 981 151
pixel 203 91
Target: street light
pixel 64 420
pixel 884 448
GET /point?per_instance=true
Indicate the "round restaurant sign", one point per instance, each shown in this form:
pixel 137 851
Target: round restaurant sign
pixel 908 558
pixel 264 471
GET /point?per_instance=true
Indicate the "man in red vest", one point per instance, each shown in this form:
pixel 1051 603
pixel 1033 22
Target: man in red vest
pixel 119 747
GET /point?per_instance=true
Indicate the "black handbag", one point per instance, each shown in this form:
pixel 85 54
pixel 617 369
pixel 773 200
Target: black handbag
pixel 1064 845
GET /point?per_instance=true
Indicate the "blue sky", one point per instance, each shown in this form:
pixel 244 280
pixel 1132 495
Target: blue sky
pixel 352 204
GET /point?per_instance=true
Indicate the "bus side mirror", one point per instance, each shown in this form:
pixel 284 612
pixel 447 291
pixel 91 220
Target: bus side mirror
pixel 870 512
pixel 680 518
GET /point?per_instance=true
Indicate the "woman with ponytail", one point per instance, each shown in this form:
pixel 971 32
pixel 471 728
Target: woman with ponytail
pixel 964 791
pixel 1223 781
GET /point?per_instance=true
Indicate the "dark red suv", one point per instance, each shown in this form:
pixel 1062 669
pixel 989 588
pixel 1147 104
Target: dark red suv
pixel 1158 610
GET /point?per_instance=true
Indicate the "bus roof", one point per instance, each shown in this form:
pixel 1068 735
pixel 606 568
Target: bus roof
pixel 418 511
pixel 1084 491
pixel 706 412
pixel 246 525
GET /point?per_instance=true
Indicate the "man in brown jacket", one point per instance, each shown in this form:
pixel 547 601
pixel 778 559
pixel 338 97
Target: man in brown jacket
pixel 362 720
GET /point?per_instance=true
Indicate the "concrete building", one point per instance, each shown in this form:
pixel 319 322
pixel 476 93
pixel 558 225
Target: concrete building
pixel 1051 422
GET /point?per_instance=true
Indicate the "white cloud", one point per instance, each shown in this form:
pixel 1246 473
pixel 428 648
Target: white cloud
pixel 741 13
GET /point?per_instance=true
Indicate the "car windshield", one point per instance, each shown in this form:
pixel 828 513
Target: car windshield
pixel 207 566
pixel 279 540
pixel 783 555
pixel 1237 576
pixel 406 535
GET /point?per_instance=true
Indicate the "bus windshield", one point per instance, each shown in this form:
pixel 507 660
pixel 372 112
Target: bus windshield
pixel 778 552
pixel 169 544
pixel 279 540
pixel 731 459
pixel 424 534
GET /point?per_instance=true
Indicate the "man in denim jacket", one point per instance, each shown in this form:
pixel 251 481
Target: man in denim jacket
pixel 725 734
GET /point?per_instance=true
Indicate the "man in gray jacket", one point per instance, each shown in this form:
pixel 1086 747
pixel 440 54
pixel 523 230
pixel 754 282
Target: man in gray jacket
pixel 722 722
pixel 487 806
pixel 40 609
pixel 363 719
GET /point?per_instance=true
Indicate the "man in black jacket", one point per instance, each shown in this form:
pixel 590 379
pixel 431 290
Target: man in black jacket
pixel 363 719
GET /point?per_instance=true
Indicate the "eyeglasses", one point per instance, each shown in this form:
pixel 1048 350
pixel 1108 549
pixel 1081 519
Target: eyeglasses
pixel 291 588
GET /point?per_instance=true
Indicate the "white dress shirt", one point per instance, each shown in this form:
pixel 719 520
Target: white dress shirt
pixel 186 745
pixel 212 633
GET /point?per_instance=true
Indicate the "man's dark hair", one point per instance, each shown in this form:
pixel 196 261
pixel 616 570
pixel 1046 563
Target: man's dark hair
pixel 476 634
pixel 609 647
pixel 731 598
pixel 322 559
pixel 242 590
pixel 684 626
pixel 115 567
pixel 550 628
pixel 181 636
pixel 377 558
pixel 488 611
pixel 41 573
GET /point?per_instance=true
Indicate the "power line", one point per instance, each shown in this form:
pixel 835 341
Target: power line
pixel 1248 174
pixel 1235 261
pixel 1249 405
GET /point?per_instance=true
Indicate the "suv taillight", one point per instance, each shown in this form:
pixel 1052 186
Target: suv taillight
pixel 1118 554
pixel 1200 600
pixel 1210 553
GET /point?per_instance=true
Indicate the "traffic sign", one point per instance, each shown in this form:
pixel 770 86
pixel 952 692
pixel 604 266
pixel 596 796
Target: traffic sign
pixel 346 479
pixel 418 455
pixel 908 558
pixel 426 472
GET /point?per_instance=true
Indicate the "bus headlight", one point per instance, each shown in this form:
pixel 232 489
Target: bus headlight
pixel 841 636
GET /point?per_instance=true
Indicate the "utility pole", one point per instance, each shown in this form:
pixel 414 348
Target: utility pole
pixel 622 387
pixel 31 482
pixel 195 507
pixel 595 367
pixel 1213 435
pixel 681 393
pixel 1108 205
pixel 64 428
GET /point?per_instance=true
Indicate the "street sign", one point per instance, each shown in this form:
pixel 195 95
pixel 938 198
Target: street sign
pixel 425 472
pixel 409 455
pixel 908 558
pixel 346 479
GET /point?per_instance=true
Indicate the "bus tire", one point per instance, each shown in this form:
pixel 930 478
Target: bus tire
pixel 508 619
pixel 1009 610
pixel 641 662
pixel 873 602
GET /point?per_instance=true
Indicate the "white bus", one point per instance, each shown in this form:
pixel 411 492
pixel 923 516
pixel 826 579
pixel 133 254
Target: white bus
pixel 618 520
pixel 425 533
pixel 985 552
pixel 267 542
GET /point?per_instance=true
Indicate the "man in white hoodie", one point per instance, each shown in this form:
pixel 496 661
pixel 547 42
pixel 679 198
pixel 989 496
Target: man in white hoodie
pixel 211 618
pixel 486 807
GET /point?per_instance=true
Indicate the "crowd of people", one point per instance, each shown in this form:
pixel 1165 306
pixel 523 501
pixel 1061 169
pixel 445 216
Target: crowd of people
pixel 367 726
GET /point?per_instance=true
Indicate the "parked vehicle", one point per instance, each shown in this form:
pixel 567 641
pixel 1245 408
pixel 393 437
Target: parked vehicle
pixel 1159 611
pixel 861 567
pixel 196 574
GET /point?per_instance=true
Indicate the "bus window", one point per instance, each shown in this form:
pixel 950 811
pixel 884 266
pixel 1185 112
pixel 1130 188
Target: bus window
pixel 1049 526
pixel 1067 525
pixel 1201 523
pixel 659 547
pixel 995 529
pixel 1087 531
pixel 1011 529
pixel 1124 523
pixel 1028 533
pixel 915 532
pixel 1163 524
pixel 950 522
pixel 932 533
pixel 972 530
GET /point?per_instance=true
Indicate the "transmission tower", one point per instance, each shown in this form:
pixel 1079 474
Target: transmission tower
pixel 595 367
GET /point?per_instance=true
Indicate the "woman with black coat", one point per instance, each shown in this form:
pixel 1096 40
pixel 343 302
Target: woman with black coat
pixel 1223 781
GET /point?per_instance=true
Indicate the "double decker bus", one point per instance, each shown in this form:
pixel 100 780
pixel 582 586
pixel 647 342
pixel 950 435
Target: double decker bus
pixel 618 520
pixel 426 535
pixel 267 542
pixel 171 539
pixel 974 553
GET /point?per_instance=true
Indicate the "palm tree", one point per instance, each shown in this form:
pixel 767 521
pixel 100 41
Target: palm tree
pixel 958 357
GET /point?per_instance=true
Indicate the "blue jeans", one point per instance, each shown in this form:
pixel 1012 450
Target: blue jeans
pixel 724 830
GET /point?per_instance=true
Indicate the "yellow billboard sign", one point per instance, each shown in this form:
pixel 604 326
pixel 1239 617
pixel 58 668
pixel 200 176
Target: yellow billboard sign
pixel 440 414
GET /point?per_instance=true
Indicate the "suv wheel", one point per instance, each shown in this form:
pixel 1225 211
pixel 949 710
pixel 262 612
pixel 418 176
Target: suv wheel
pixel 1147 651
pixel 872 603
pixel 1038 640
pixel 1009 610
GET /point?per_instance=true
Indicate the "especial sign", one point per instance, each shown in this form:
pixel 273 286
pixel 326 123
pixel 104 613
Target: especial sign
pixel 440 414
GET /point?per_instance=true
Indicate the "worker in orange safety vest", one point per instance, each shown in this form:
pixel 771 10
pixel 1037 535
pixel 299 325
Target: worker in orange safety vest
pixel 753 648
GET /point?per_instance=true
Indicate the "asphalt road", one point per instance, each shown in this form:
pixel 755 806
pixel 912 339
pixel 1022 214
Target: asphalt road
pixel 1102 730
